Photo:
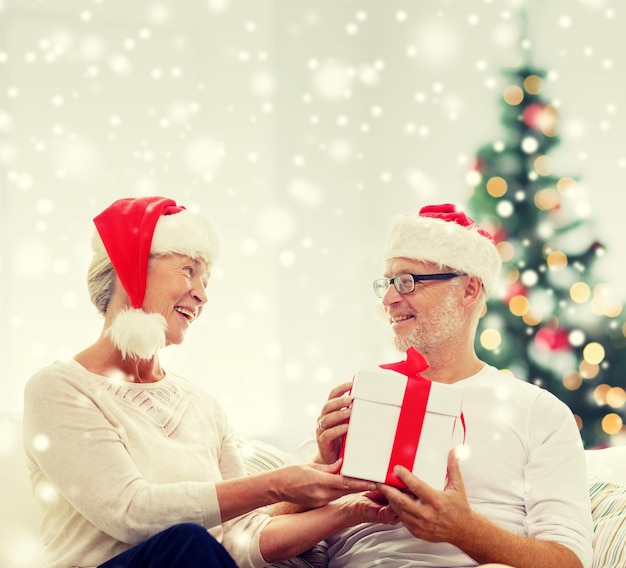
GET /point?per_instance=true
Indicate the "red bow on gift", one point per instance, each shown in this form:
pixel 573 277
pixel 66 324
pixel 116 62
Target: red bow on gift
pixel 412 366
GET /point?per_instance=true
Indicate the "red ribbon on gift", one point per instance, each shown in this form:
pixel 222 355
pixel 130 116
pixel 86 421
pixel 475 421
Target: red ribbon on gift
pixel 412 413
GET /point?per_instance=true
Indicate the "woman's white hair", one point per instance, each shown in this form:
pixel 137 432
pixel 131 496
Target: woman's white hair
pixel 101 281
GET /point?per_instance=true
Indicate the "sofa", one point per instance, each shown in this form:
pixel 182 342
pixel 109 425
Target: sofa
pixel 19 543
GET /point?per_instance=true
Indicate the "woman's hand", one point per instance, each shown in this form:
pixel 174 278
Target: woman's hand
pixel 368 507
pixel 317 484
pixel 332 424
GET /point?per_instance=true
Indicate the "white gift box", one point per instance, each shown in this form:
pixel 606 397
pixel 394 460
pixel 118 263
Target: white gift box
pixel 374 426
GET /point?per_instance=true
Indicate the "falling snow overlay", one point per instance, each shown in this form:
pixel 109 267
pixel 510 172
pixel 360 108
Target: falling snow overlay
pixel 300 128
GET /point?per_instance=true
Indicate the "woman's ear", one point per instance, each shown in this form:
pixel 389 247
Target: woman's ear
pixel 119 297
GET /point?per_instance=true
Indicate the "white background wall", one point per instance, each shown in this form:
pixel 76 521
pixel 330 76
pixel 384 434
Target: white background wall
pixel 300 127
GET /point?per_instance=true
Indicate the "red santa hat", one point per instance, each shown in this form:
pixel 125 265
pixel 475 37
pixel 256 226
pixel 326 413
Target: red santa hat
pixel 444 235
pixel 128 231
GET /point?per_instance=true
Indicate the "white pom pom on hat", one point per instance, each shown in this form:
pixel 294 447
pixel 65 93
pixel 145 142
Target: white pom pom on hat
pixel 138 334
pixel 444 235
pixel 128 231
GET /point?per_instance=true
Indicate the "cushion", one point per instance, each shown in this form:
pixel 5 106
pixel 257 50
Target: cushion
pixel 608 464
pixel 608 510
pixel 259 456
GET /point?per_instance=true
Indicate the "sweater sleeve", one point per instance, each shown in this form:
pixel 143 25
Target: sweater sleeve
pixel 556 488
pixel 75 450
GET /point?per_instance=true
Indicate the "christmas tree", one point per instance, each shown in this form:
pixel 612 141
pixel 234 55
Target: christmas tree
pixel 553 322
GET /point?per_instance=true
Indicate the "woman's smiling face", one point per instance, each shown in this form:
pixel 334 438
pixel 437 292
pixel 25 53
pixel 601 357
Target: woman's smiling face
pixel 175 288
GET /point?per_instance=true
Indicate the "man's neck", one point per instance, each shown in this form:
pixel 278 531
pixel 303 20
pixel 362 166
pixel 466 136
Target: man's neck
pixel 452 367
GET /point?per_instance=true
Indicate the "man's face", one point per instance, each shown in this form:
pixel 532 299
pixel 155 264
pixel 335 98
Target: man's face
pixel 429 318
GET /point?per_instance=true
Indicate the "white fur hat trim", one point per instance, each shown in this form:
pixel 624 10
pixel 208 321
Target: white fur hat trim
pixel 185 233
pixel 445 243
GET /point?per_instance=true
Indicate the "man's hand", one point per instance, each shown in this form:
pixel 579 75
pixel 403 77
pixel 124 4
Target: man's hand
pixel 446 516
pixel 435 516
pixel 332 423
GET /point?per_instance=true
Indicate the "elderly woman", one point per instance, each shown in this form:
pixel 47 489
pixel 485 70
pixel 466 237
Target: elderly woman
pixel 134 465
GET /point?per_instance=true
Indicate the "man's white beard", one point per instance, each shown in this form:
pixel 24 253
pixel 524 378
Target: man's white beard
pixel 427 334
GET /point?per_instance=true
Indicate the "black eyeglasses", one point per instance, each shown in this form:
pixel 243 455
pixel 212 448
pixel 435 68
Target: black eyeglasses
pixel 405 283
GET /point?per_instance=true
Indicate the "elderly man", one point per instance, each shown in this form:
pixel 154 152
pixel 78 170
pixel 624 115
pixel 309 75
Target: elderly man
pixel 517 494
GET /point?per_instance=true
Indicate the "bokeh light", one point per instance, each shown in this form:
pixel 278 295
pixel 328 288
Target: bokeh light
pixel 513 95
pixel 506 251
pixel 530 144
pixel 572 380
pixel 612 423
pixel 580 292
pixel 519 305
pixel 576 338
pixel 549 121
pixel 589 370
pixel 593 353
pixel 490 339
pixel 556 260
pixel 565 184
pixel 605 302
pixel 543 165
pixel 616 397
pixel 532 318
pixel 529 278
pixel 546 199
pixel 600 394
pixel 533 84
pixel 496 186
